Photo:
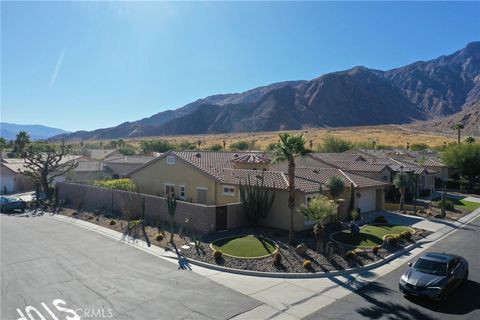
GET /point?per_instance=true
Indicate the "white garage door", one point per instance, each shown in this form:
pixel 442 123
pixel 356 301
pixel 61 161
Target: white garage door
pixel 367 201
pixel 7 181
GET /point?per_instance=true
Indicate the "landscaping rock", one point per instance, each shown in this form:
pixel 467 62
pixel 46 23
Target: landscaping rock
pixel 301 249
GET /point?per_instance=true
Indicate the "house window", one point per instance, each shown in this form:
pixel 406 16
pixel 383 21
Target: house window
pixel 171 160
pixel 169 189
pixel 228 191
pixel 202 195
pixel 182 192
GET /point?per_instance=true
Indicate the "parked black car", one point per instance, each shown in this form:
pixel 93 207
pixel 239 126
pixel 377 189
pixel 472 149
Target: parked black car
pixel 11 204
pixel 434 276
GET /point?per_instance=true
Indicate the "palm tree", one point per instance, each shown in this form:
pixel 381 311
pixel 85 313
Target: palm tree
pixel 401 181
pixel 21 141
pixel 458 127
pixel 290 146
pixel 319 209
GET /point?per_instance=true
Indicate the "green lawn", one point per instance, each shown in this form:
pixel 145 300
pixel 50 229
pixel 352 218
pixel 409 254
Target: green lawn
pixel 245 246
pixel 462 204
pixel 370 235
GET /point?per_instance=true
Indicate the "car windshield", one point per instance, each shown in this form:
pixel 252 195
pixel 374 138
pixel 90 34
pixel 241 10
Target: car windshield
pixel 431 267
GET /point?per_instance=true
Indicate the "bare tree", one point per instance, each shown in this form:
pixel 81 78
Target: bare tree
pixel 45 162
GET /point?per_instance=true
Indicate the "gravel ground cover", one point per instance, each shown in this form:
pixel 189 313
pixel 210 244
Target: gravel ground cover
pixel 291 261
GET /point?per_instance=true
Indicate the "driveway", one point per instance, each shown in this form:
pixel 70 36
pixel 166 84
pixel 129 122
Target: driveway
pixel 52 267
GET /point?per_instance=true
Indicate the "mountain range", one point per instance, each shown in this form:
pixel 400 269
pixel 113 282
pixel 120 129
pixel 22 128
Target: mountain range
pixel 37 132
pixel 423 90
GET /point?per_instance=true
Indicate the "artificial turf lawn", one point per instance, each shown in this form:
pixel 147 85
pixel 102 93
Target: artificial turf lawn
pixel 369 236
pixel 245 246
pixel 468 205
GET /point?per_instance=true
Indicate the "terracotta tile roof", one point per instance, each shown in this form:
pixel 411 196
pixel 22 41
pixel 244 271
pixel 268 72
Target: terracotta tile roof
pixel 271 179
pixel 336 156
pixel 362 166
pixel 364 182
pixel 128 159
pixel 89 166
pixel 100 154
pixel 15 166
pixel 425 162
pixel 251 158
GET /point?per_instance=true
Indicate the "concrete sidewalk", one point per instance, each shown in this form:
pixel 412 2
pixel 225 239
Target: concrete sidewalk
pixel 292 298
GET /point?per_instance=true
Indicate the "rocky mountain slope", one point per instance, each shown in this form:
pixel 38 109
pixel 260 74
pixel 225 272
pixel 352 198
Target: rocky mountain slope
pixel 360 96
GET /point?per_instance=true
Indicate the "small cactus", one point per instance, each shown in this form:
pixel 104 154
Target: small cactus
pixel 375 249
pixel 307 264
pixel 112 222
pixel 277 259
pixel 159 237
pixel 217 254
pixel 350 255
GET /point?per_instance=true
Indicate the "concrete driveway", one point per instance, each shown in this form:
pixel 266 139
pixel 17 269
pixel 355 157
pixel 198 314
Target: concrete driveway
pixel 52 267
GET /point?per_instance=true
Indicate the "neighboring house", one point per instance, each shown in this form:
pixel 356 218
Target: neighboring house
pixel 102 154
pixel 83 172
pixel 213 178
pixel 12 177
pixel 119 166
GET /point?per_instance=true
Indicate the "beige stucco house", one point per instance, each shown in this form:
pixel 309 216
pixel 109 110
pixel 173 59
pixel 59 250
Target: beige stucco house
pixel 213 178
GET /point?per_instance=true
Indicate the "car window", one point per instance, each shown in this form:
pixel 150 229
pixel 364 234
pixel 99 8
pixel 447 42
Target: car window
pixel 453 264
pixel 430 267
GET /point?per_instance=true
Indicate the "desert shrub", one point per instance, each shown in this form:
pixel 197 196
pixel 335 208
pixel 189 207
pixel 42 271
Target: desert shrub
pixel 112 222
pixel 449 205
pixel 216 147
pixel 127 151
pixel 380 219
pixel 156 146
pixel 406 235
pixel 350 255
pixel 307 264
pixel 375 249
pixel 217 254
pixel 418 146
pixel 187 145
pixel 277 259
pixel 116 184
pixel 159 237
pixel 391 239
pixel 239 145
pixel 334 144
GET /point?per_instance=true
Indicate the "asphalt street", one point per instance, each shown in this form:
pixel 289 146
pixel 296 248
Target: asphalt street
pixel 382 300
pixel 55 270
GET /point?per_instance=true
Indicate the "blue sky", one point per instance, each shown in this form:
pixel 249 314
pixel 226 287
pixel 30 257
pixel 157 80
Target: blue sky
pixel 88 65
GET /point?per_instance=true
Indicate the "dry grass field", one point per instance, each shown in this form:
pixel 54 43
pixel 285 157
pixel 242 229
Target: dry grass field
pixel 390 135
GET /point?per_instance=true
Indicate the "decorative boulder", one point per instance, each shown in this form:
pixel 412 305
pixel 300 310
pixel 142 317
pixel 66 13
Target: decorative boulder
pixel 301 249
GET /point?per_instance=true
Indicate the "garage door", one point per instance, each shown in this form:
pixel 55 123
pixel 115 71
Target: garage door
pixel 7 181
pixel 367 201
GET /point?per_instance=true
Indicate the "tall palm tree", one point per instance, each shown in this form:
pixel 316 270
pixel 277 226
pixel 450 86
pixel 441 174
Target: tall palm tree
pixel 459 128
pixel 290 146
pixel 21 141
pixel 401 181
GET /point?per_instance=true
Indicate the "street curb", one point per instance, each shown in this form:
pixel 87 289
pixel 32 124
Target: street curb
pixel 169 256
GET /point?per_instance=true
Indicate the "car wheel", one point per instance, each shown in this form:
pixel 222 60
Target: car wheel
pixel 445 296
